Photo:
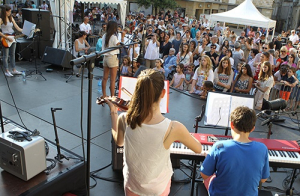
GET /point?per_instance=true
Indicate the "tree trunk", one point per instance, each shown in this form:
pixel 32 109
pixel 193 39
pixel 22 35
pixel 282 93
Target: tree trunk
pixel 155 10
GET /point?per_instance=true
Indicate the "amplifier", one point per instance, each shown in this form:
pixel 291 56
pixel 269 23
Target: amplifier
pixel 117 156
pixel 22 158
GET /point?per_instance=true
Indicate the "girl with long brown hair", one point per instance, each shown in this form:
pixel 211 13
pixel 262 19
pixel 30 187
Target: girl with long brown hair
pixel 7 23
pixel 147 136
pixel 264 84
pixel 185 56
pixel 223 75
pixel 110 61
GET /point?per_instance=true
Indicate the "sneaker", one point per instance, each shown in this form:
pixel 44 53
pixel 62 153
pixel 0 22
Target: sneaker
pixel 16 72
pixel 8 74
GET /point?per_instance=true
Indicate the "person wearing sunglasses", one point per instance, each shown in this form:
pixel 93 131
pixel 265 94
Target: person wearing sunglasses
pixel 282 58
pixel 213 55
pixel 265 48
pixel 290 61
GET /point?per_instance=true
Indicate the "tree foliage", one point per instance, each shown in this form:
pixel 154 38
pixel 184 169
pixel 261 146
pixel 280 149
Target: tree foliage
pixel 166 4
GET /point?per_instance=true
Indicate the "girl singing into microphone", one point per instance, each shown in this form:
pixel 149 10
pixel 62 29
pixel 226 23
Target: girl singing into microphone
pixel 110 61
pixel 147 137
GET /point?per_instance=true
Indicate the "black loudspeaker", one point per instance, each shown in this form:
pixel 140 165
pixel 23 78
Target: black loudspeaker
pixel 27 49
pixel 56 56
pixel 42 20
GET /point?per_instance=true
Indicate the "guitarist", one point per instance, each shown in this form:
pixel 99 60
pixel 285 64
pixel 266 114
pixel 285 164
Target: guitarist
pixel 7 23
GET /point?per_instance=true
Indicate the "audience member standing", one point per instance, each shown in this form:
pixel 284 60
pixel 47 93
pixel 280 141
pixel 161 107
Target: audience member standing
pixel 85 26
pixel 223 75
pixel 152 51
pixel 44 6
pixel 264 84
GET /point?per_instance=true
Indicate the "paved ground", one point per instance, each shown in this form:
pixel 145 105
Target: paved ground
pixel 35 97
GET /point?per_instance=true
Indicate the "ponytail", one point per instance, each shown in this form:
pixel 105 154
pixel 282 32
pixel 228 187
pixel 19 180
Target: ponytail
pixel 147 92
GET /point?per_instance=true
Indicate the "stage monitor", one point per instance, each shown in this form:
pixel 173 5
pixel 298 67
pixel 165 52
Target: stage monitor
pixel 219 106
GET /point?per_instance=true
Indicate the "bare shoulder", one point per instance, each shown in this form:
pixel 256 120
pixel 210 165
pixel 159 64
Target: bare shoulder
pixel 178 128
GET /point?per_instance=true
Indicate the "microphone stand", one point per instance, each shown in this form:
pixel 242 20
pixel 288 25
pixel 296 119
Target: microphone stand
pixel 87 59
pixel 59 156
pixel 142 47
pixel 1 116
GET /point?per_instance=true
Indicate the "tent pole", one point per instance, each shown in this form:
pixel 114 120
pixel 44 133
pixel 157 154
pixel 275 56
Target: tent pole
pixel 223 28
pixel 267 35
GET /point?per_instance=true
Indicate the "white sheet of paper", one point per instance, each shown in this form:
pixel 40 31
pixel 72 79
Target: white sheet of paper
pixel 28 27
pixel 219 107
pixel 129 84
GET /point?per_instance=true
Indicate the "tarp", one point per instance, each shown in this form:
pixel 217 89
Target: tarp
pixel 246 14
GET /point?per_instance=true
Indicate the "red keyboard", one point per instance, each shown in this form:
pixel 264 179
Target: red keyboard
pixel 282 153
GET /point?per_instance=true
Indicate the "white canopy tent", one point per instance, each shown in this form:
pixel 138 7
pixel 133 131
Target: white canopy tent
pixel 246 14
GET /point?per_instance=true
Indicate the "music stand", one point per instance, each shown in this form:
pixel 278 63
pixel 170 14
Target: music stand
pixel 29 29
pixel 219 106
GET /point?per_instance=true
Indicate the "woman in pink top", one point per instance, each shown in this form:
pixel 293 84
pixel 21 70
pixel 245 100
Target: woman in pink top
pixel 147 137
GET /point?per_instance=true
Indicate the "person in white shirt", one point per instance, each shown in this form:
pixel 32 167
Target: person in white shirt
pixel 44 6
pixel 136 52
pixel 214 40
pixel 85 26
pixel 206 23
pixel 294 37
pixel 217 28
pixel 161 25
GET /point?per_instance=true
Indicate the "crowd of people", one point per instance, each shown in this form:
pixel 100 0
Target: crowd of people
pixel 198 59
pixel 248 63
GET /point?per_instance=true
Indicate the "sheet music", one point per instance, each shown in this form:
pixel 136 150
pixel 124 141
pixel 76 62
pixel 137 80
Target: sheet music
pixel 28 28
pixel 129 84
pixel 241 101
pixel 219 107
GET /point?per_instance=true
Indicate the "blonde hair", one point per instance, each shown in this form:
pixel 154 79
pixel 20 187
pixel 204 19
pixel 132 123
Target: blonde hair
pixel 284 48
pixel 208 66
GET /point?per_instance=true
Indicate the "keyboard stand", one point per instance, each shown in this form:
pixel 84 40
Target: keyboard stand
pixel 194 162
pixel 290 190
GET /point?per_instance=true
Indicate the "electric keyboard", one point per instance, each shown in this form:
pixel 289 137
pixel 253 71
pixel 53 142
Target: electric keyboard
pixel 282 153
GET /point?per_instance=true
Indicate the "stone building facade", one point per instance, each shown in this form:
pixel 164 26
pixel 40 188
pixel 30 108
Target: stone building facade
pixel 206 7
pixel 287 14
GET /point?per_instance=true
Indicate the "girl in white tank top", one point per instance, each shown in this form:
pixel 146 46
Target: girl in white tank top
pixel 7 23
pixel 147 136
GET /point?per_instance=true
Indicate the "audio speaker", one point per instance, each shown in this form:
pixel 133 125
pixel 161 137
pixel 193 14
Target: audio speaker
pixel 56 56
pixel 27 49
pixel 42 20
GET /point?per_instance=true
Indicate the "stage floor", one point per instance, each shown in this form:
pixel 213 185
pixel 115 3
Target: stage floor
pixel 36 97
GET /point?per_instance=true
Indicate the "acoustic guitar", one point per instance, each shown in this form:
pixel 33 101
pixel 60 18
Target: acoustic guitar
pixel 6 43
